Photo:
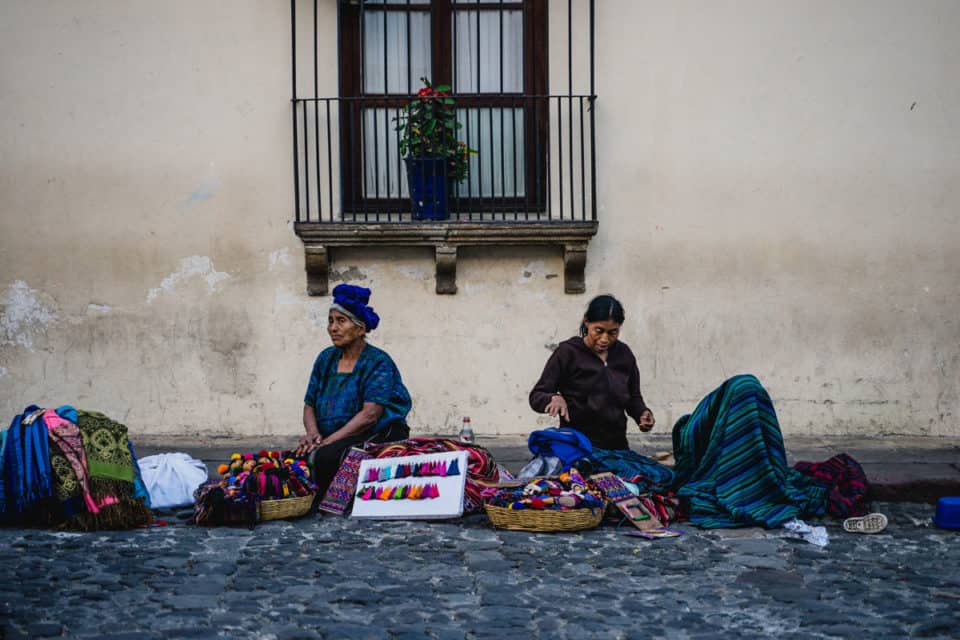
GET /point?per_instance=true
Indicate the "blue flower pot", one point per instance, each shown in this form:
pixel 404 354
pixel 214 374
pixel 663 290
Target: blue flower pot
pixel 429 188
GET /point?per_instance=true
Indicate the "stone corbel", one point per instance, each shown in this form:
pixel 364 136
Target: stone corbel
pixel 574 265
pixel 318 269
pixel 446 269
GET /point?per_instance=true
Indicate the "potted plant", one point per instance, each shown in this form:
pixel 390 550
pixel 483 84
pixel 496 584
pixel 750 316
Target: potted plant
pixel 436 160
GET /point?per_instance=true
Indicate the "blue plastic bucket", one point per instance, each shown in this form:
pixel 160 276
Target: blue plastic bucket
pixel 948 513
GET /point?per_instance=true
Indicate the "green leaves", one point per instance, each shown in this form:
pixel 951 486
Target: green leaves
pixel 428 128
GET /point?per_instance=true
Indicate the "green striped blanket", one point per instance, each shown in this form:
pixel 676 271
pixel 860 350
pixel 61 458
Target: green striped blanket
pixel 731 465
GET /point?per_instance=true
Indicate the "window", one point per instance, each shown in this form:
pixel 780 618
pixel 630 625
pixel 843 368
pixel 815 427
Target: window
pixel 534 180
pixel 493 54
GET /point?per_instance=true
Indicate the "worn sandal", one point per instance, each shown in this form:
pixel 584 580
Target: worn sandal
pixel 870 523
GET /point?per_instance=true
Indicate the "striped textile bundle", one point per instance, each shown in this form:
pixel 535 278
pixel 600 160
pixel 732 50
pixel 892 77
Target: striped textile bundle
pixel 731 466
pixel 846 482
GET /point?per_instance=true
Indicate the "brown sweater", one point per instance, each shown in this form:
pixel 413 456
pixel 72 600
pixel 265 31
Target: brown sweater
pixel 597 394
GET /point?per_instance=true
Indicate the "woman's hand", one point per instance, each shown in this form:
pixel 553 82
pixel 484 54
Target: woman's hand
pixel 646 420
pixel 308 443
pixel 557 406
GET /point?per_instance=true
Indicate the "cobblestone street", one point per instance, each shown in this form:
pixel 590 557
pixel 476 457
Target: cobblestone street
pixel 331 577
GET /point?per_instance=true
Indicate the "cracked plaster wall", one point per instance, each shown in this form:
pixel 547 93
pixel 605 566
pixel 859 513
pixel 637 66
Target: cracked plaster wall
pixel 777 195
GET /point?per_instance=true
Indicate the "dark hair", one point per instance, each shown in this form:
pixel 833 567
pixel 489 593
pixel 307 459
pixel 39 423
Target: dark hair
pixel 601 308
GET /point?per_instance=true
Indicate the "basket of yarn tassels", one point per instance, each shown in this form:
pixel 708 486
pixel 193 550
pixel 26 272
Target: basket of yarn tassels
pixel 564 503
pixel 282 486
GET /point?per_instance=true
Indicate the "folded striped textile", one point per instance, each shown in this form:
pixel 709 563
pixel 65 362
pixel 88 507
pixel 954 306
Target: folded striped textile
pixel 339 495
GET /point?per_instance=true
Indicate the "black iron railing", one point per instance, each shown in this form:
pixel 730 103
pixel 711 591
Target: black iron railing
pixel 535 160
pixel 535 154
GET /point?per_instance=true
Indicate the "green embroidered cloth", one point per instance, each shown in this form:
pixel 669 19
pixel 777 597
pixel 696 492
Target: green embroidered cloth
pixel 105 442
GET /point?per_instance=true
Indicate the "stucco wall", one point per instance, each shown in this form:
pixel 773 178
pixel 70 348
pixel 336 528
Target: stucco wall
pixel 778 194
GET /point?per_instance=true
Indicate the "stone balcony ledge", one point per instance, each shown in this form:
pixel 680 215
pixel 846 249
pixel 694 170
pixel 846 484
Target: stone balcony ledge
pixel 446 237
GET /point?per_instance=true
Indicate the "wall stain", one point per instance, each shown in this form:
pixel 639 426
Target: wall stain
pixel 229 333
pixel 194 266
pixel 347 275
pixel 206 190
pixel 25 314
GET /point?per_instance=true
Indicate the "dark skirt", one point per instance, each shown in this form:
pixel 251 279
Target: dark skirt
pixel 325 460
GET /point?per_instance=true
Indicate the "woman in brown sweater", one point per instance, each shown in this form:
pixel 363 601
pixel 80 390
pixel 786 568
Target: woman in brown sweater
pixel 591 381
pixel 592 384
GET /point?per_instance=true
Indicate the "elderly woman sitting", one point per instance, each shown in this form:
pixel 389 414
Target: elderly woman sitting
pixel 355 392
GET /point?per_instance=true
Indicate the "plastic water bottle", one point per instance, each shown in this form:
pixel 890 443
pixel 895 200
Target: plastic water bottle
pixel 466 431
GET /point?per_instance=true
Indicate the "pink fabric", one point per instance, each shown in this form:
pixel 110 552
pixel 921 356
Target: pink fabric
pixel 66 435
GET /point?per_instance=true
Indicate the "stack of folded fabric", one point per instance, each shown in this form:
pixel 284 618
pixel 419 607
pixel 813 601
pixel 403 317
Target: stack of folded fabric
pixel 69 468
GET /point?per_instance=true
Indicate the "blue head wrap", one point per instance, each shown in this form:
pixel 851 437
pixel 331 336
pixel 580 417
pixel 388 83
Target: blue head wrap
pixel 352 301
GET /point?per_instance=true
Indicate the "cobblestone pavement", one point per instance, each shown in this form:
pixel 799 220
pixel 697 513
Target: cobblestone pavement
pixel 339 578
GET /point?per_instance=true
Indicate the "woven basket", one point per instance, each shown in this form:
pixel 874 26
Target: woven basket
pixel 545 520
pixel 285 507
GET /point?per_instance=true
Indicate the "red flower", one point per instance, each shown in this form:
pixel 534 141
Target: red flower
pixel 426 92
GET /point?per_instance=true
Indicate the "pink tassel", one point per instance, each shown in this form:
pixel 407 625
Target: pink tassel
pixel 91 505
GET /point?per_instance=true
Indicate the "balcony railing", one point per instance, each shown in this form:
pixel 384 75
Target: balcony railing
pixel 535 160
pixel 536 148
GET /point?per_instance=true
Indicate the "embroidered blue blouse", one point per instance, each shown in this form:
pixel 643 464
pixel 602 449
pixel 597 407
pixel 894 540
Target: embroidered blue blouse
pixel 337 397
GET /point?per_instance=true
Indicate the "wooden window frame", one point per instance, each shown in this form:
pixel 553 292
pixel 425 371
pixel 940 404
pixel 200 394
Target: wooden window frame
pixel 533 101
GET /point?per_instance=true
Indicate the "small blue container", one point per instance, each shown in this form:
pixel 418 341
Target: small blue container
pixel 429 188
pixel 948 513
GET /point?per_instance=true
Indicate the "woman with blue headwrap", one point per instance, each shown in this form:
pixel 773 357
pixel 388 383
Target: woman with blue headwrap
pixel 355 392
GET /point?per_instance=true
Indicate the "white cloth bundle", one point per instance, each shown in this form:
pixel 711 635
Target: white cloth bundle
pixel 171 478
